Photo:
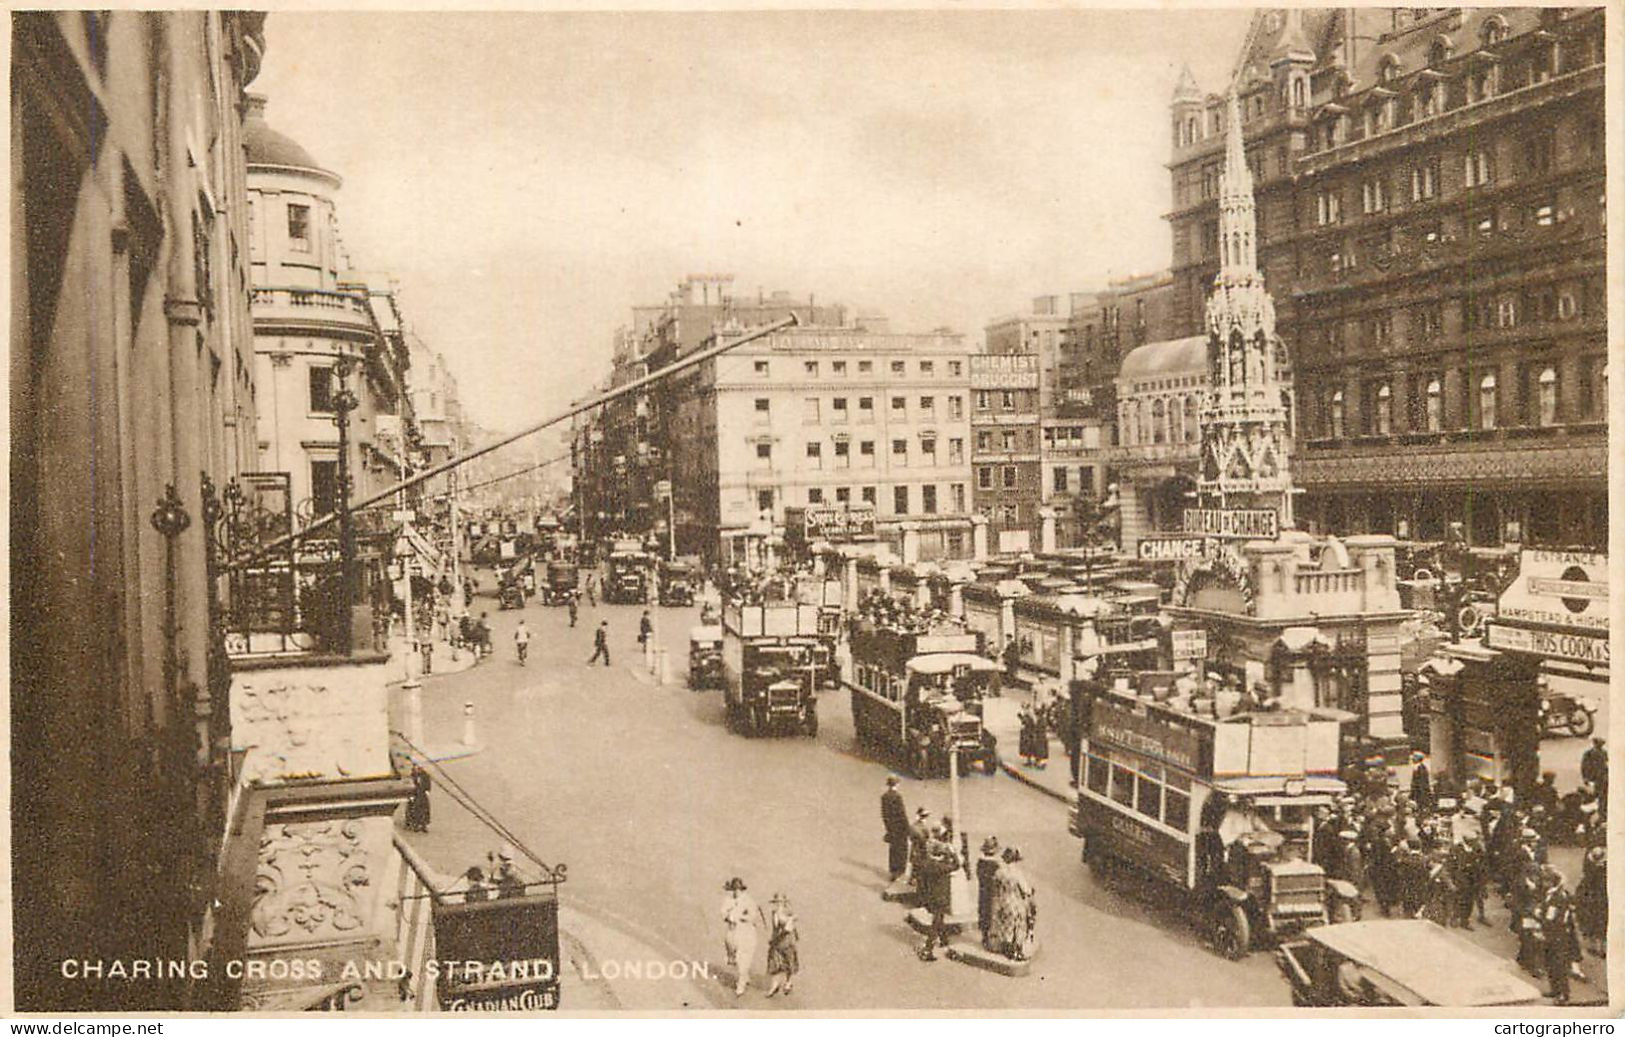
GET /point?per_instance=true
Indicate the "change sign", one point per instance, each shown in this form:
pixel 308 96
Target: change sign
pixel 1171 549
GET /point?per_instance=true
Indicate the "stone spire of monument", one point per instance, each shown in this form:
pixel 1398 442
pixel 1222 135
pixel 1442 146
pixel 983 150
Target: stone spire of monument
pixel 1245 427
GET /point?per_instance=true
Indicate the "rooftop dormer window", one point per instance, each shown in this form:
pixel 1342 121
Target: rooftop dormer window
pixel 1388 69
pixel 1493 31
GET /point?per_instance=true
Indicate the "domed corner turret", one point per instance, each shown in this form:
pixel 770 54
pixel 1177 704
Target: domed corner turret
pixel 267 148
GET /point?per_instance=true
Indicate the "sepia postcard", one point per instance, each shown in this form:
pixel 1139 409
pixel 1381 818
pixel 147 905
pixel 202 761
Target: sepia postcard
pixel 885 511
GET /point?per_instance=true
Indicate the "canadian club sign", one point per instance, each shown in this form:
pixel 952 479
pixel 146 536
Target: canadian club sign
pixel 1234 523
pixel 498 955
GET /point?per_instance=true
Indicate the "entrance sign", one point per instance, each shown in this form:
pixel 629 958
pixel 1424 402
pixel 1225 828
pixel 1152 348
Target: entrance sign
pixel 1563 589
pixel 1172 548
pixel 1583 648
pixel 1234 523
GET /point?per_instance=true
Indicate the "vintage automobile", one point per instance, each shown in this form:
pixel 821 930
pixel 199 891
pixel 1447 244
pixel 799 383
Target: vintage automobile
pixel 1218 812
pixel 1398 962
pixel 562 580
pixel 705 658
pixel 511 595
pixel 678 579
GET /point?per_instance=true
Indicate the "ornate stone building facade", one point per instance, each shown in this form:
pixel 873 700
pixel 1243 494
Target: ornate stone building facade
pixel 1430 197
pixel 133 397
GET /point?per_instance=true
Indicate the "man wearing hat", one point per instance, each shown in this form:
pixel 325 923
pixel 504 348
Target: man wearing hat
pixel 1560 938
pixel 894 817
pixel 1594 770
pixel 987 871
pixel 918 836
pixel 740 916
pixel 503 874
pixel 1472 878
pixel 1421 783
pixel 937 868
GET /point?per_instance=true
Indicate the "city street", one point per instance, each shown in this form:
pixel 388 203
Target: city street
pixel 653 805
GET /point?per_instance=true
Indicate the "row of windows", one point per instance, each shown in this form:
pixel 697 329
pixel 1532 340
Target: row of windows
pixel 838 368
pixel 880 681
pixel 1006 399
pixel 1424 323
pixel 1062 482
pixel 1533 216
pixel 1072 436
pixel 1007 441
pixel 841 452
pixel 1007 476
pixel 1423 180
pixel 1534 401
pixel 812 408
pixel 1160 793
pixel 902 497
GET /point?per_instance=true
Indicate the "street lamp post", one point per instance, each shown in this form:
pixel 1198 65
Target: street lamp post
pixel 345 401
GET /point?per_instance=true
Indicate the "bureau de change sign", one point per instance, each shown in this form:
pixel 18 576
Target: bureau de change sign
pixel 1234 523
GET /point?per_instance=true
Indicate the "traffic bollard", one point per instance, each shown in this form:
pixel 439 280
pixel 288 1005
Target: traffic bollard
pixel 414 711
pixel 468 723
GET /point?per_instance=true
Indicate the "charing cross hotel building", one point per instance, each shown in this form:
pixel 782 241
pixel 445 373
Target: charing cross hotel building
pixel 1431 221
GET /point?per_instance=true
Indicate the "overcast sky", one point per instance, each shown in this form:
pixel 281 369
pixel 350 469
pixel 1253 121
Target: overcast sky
pixel 529 177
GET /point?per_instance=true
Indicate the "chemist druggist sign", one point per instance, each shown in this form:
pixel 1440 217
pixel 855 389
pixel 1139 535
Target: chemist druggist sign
pixel 1557 606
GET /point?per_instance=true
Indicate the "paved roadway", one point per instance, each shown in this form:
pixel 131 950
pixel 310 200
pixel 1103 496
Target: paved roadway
pixel 654 805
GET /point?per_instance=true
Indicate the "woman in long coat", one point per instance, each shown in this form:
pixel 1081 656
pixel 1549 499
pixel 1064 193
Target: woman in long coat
pixel 783 955
pixel 1015 909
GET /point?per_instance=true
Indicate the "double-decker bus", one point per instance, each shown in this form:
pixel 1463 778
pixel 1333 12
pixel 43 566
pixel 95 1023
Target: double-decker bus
pixel 1219 810
pixel 917 695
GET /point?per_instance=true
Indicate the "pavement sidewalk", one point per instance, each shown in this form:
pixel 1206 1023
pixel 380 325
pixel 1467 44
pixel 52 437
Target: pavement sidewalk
pixel 610 967
pixel 1001 716
pixel 442 661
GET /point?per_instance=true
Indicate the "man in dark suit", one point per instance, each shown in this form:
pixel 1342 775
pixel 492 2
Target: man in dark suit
pixel 1421 784
pixel 939 864
pixel 600 644
pixel 894 816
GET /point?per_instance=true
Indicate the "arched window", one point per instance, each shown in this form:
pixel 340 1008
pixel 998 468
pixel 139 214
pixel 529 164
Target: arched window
pixel 1385 411
pixel 1191 428
pixel 1439 53
pixel 1176 422
pixel 1388 69
pixel 1159 422
pixel 1486 402
pixel 1548 397
pixel 1337 414
pixel 1493 31
pixel 1300 92
pixel 1435 406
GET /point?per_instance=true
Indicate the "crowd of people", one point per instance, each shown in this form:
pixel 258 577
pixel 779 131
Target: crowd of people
pixel 927 856
pixel 1440 852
